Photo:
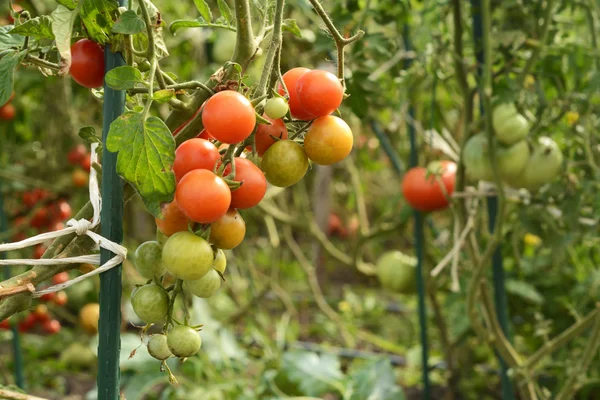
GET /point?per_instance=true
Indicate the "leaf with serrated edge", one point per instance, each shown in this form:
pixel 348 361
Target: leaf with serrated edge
pixel 8 64
pixel 88 133
pixel 290 25
pixel 163 96
pixel 129 23
pixel 123 78
pixel 225 10
pixel 314 374
pixel 38 27
pixel 9 41
pixel 70 4
pixel 146 154
pixel 203 9
pixel 62 27
pixel 96 15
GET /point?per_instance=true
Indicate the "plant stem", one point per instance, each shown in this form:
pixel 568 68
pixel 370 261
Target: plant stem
pixel 244 45
pixel 177 86
pixel 42 63
pixel 544 37
pixel 274 46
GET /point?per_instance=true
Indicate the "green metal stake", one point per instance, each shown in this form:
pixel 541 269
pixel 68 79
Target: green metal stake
pixel 500 301
pixel 16 339
pixel 109 328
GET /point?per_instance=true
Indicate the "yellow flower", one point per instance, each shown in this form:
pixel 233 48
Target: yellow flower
pixel 344 306
pixel 572 117
pixel 532 240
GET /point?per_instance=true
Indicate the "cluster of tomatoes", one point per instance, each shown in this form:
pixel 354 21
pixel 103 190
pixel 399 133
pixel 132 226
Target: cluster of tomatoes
pixel 81 159
pixel 8 110
pixel 41 317
pixel 337 227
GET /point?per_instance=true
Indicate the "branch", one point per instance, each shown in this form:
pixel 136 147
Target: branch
pixel 176 87
pixel 10 395
pixel 274 47
pixel 6 292
pixel 245 42
pixel 544 37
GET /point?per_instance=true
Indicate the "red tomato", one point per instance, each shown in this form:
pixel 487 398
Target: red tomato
pixel 41 194
pixel 87 63
pixel 203 196
pixel 328 140
pixel 40 218
pixel 48 296
pixel 424 193
pixel 254 184
pixel 61 277
pixel 5 324
pixel 173 220
pixel 61 298
pixel 7 112
pixel 52 327
pixel 29 198
pixel 28 323
pixel 262 137
pixel 291 79
pixel 80 178
pixel 41 313
pixel 57 226
pixel 77 154
pixel 194 154
pixel 229 117
pixel 63 210
pixel 319 92
pixel 86 163
pixel 38 251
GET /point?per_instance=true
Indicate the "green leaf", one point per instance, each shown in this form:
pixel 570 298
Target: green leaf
pixel 203 9
pixel 97 16
pixel 146 153
pixel 290 25
pixel 38 27
pixel 313 374
pixel 163 96
pixel 524 290
pixel 224 10
pixel 62 27
pixel 183 24
pixel 375 380
pixel 8 40
pixel 123 78
pixel 8 64
pixel 70 4
pixel 88 133
pixel 129 23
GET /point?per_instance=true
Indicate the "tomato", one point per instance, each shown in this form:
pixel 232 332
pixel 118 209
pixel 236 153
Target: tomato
pixel 187 256
pixel 206 286
pixel 397 272
pixel 423 192
pixel 86 163
pixel 262 137
pixel 334 225
pixel 29 198
pixel 78 355
pixel 183 341
pixel 38 251
pixel 148 260
pixel 285 163
pixel 157 347
pixel 319 92
pixel 63 210
pixel 4 324
pixel 543 166
pixel 89 316
pixel 478 164
pixel 41 313
pixel 7 112
pixel 254 184
pixel 229 117
pixel 87 63
pixel 220 262
pixel 291 80
pixel 61 298
pixel 228 231
pixel 205 135
pixel 77 154
pixel 150 303
pixel 276 108
pixel 173 220
pixel 28 323
pixel 203 196
pixel 48 296
pixel 51 327
pixel 61 277
pixel 194 154
pixel 80 178
pixel 328 140
pixel 509 126
pixel 40 218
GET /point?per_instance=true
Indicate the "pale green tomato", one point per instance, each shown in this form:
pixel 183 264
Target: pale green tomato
pixel 150 303
pixel 509 126
pixel 187 256
pixel 478 164
pixel 284 163
pixel 206 286
pixel 276 107
pixel 220 263
pixel 397 272
pixel 148 260
pixel 183 341
pixel 157 347
pixel 543 166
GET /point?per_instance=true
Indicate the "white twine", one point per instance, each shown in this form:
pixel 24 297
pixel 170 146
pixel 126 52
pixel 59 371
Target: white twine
pixel 80 227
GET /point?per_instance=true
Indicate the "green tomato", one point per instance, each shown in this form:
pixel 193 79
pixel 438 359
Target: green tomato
pixel 183 341
pixel 78 355
pixel 276 107
pixel 148 260
pixel 478 164
pixel 187 256
pixel 206 286
pixel 157 347
pixel 509 125
pixel 543 166
pixel 396 272
pixel 284 163
pixel 220 263
pixel 150 303
pixel 224 46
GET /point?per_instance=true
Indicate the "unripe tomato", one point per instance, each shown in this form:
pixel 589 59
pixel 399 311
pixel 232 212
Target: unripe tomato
pixel 187 256
pixel 206 286
pixel 509 126
pixel 229 117
pixel 77 154
pixel 284 163
pixel 228 231
pixel 319 92
pixel 220 262
pixel 157 347
pixel 51 327
pixel 397 272
pixel 276 108
pixel 194 154
pixel 543 166
pixel 422 190
pixel 61 298
pixel 328 140
pixel 148 260
pixel 478 164
pixel 183 341
pixel 173 220
pixel 203 196
pixel 291 80
pixel 89 316
pixel 7 112
pixel 87 63
pixel 263 138
pixel 254 184
pixel 150 303
pixel 80 178
pixel 61 277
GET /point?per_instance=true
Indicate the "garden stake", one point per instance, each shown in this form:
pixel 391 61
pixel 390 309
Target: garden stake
pixel 109 328
pixel 492 209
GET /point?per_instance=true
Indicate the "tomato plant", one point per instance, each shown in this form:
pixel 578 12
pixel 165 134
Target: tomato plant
pixel 87 63
pixel 428 189
pixel 276 108
pixel 148 260
pixel 89 316
pixel 396 272
pixel 7 112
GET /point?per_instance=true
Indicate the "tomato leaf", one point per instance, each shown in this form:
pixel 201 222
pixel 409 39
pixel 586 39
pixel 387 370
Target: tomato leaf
pixel 123 78
pixel 38 27
pixel 314 374
pixel 524 290
pixel 290 25
pixel 146 153
pixel 96 15
pixel 88 133
pixel 8 40
pixel 224 10
pixel 70 4
pixel 8 65
pixel 203 9
pixel 62 27
pixel 375 380
pixel 129 23
pixel 163 96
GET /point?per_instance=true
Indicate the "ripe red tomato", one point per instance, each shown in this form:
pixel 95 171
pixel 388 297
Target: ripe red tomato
pixel 61 298
pixel 77 154
pixel 4 324
pixel 319 92
pixel 63 210
pixel 86 163
pixel 424 193
pixel 335 225
pixel 51 327
pixel 229 117
pixel 7 112
pixel 328 140
pixel 194 154
pixel 41 194
pixel 80 178
pixel 28 323
pixel 87 63
pixel 61 277
pixel 38 251
pixel 57 226
pixel 173 220
pixel 203 196
pixel 29 198
pixel 254 184
pixel 41 313
pixel 262 137
pixel 48 296
pixel 291 80
pixel 40 218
